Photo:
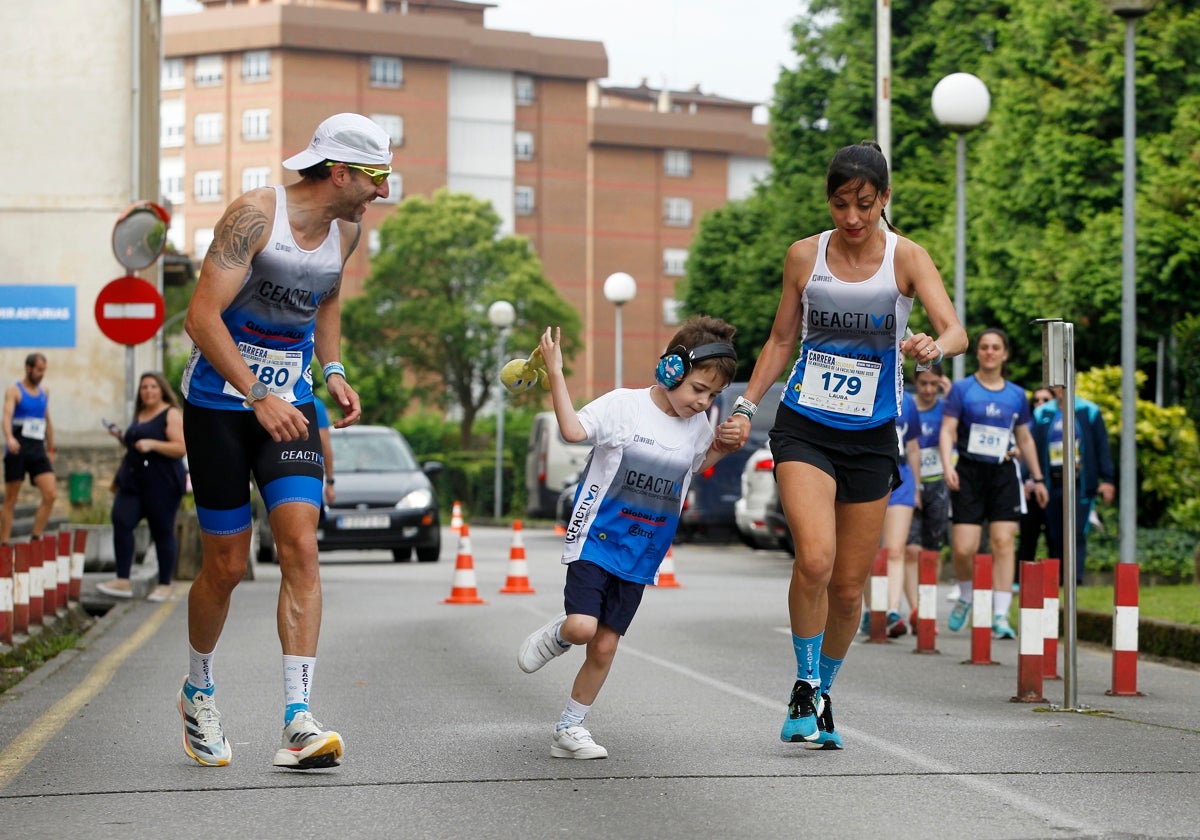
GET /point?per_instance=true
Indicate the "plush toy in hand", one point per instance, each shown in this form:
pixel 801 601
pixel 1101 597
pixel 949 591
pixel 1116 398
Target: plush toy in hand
pixel 521 374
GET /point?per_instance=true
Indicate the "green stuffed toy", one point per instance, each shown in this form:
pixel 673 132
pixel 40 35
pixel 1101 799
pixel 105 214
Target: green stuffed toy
pixel 521 374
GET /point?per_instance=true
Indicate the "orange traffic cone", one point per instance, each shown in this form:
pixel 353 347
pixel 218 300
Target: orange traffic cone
pixel 559 530
pixel 518 569
pixel 464 590
pixel 666 573
pixel 456 520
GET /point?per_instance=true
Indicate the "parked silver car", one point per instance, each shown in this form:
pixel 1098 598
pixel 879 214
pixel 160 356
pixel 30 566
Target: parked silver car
pixel 758 488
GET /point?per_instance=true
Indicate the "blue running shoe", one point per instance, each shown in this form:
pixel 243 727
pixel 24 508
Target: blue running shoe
pixel 1001 629
pixel 827 737
pixel 803 709
pixel 895 626
pixel 864 626
pixel 958 616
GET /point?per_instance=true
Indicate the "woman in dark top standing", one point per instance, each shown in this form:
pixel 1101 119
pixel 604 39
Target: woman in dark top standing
pixel 149 485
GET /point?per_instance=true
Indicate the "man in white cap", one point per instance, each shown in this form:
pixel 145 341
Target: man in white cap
pixel 266 300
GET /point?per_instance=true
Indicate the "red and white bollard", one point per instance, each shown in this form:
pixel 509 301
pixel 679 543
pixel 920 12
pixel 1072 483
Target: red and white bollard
pixel 1125 631
pixel 927 575
pixel 63 562
pixel 1030 635
pixel 6 594
pixel 78 548
pixel 37 584
pixel 1050 625
pixel 879 595
pixel 981 613
pixel 21 589
pixel 49 577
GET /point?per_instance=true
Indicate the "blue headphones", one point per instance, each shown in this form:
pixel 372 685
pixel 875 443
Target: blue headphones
pixel 674 365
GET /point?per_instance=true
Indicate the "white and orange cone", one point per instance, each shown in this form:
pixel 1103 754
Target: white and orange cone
pixel 518 568
pixel 464 589
pixel 456 520
pixel 666 573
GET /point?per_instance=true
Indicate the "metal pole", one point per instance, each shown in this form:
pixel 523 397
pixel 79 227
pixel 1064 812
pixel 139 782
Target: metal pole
pixel 499 483
pixel 960 247
pixel 620 341
pixel 1128 490
pixel 1069 514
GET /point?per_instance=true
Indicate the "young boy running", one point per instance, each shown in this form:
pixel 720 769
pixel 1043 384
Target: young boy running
pixel 646 445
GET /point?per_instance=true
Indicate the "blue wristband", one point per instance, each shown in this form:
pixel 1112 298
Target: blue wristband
pixel 332 368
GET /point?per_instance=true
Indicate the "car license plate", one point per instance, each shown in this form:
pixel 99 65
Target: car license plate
pixel 364 521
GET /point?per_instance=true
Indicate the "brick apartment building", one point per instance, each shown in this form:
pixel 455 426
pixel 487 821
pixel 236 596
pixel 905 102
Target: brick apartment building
pixel 599 179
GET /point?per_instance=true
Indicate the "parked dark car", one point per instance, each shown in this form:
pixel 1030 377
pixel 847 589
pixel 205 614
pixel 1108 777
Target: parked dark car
pixel 708 510
pixel 384 499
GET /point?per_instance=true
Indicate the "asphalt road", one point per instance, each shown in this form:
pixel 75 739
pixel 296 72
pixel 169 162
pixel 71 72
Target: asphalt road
pixel 447 738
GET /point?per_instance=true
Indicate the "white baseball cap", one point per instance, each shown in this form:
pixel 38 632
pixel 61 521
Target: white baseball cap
pixel 348 138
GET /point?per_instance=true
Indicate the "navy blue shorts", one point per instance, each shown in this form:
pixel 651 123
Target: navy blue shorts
pixel 591 590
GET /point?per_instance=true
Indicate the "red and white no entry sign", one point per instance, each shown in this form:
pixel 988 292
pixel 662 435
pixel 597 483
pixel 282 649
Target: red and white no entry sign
pixel 129 310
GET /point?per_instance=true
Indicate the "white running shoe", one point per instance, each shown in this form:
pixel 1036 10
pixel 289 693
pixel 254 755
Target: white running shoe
pixel 306 746
pixel 575 742
pixel 202 736
pixel 954 594
pixel 542 645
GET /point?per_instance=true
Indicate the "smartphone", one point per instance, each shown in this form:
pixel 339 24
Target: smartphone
pixel 112 427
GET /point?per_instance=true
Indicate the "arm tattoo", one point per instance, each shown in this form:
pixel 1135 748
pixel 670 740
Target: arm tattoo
pixel 234 244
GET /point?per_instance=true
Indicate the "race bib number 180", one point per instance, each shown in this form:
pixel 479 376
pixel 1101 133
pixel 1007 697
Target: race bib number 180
pixel 840 384
pixel 279 370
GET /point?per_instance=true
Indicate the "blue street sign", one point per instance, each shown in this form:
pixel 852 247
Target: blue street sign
pixel 37 316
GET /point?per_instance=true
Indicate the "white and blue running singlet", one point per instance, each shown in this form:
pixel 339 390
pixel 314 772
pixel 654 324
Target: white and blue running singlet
pixel 986 418
pixel 272 316
pixel 631 492
pixel 847 375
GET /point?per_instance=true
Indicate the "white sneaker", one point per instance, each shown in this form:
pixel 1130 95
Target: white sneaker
pixel 575 742
pixel 542 646
pixel 306 746
pixel 202 736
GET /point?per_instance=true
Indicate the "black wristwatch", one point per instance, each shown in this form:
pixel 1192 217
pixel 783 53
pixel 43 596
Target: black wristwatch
pixel 329 481
pixel 258 391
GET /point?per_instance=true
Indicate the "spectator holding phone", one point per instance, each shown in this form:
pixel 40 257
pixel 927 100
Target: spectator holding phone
pixel 149 485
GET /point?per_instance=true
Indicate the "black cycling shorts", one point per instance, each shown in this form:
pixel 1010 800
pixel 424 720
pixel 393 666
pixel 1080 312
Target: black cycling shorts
pixel 986 493
pixel 865 463
pixel 225 448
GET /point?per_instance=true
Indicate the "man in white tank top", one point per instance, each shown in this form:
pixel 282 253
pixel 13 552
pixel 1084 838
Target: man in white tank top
pixel 266 301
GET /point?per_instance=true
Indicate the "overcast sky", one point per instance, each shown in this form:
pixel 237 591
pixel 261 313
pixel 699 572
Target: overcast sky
pixel 732 48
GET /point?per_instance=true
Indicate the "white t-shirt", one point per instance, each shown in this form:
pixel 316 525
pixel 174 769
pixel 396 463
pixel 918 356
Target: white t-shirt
pixel 632 489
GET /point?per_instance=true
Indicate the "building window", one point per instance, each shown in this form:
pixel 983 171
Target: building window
pixel 176 231
pixel 393 124
pixel 207 186
pixel 395 189
pixel 677 163
pixel 373 242
pixel 201 239
pixel 172 74
pixel 170 179
pixel 677 212
pixel 170 119
pixel 671 309
pixel 524 90
pixel 523 202
pixel 209 128
pixel 254 177
pixel 386 71
pixel 256 66
pixel 256 124
pixel 523 141
pixel 674 261
pixel 210 70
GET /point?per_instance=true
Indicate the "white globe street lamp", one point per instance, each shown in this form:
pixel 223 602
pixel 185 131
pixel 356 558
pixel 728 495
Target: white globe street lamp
pixel 619 289
pixel 961 102
pixel 1129 11
pixel 501 315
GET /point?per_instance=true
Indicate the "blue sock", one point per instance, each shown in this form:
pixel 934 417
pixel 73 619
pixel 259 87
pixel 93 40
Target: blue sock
pixel 829 671
pixel 808 655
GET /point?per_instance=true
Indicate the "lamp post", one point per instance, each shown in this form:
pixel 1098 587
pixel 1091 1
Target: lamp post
pixel 501 314
pixel 619 289
pixel 1129 11
pixel 961 102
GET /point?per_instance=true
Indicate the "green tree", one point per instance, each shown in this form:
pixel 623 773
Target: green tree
pixel 423 312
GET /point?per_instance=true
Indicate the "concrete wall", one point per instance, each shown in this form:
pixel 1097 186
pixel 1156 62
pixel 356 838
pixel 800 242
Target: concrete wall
pixel 79 109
